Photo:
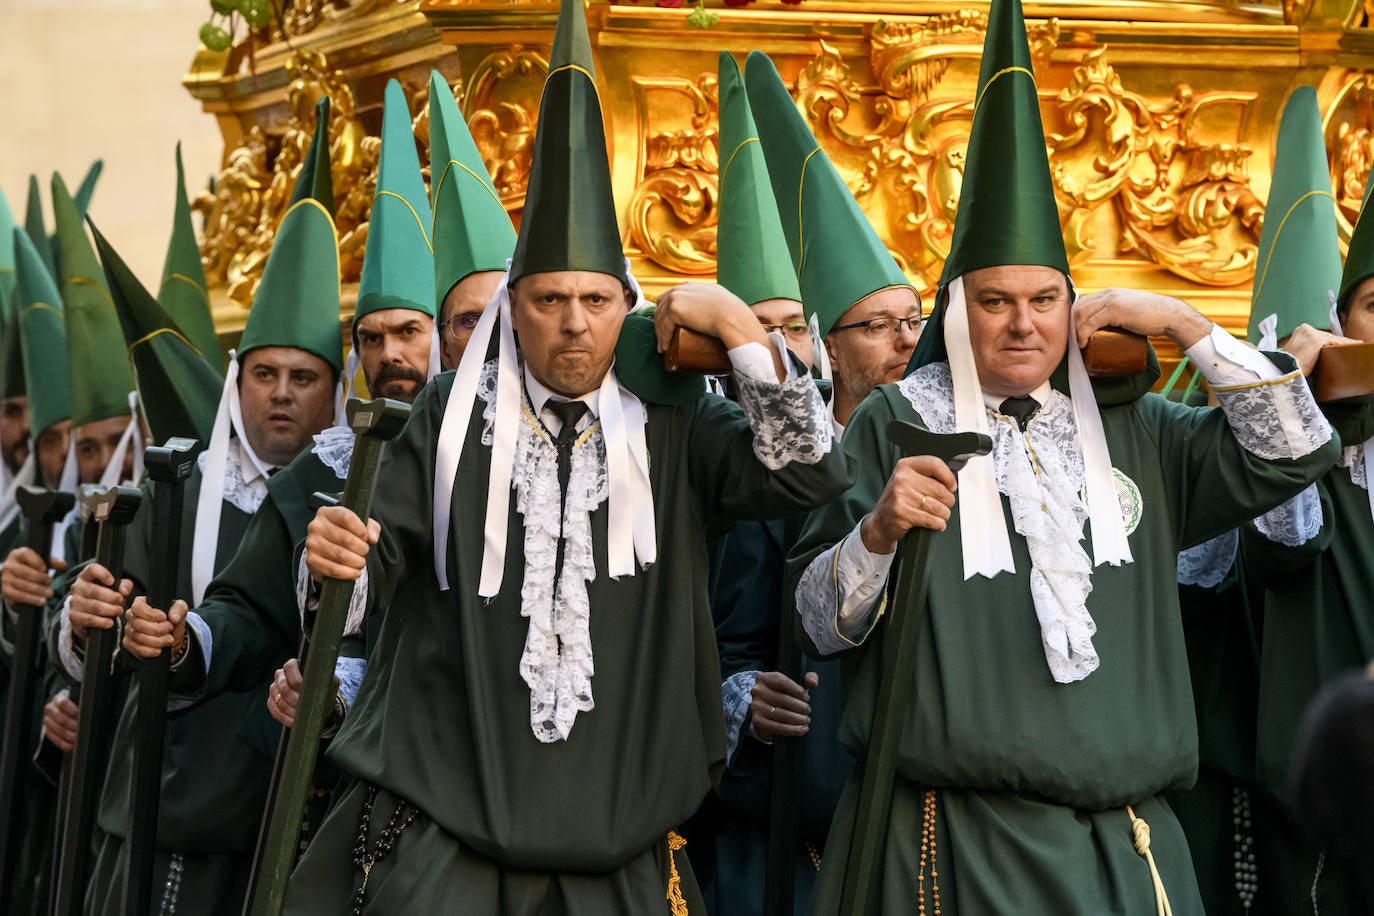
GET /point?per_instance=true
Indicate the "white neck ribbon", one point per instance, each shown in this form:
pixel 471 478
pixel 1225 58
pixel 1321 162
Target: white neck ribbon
pixel 631 534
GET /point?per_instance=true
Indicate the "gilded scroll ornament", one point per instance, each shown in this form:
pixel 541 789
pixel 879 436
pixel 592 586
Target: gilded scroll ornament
pixel 251 196
pixel 1181 199
pixel 502 108
pixel 673 211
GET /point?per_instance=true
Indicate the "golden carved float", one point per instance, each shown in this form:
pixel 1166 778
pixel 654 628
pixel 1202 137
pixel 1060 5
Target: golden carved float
pixel 1160 120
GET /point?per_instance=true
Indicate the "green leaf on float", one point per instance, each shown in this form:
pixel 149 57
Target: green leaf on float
pixel 257 13
pixel 221 7
pixel 214 37
pixel 702 18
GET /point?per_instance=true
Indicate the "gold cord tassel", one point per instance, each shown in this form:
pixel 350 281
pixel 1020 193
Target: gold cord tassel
pixel 1140 832
pixel 677 904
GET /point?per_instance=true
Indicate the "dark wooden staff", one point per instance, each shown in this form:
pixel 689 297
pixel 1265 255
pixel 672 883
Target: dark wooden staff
pixel 168 468
pixel 42 510
pixel 86 552
pixel 316 501
pixel 779 889
pixel 373 423
pixel 112 509
pixel 905 610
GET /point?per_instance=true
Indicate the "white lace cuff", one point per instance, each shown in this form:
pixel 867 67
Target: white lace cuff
pixel 307 598
pixel 206 640
pixel 66 652
pixel 334 447
pixel 841 594
pixel 1275 418
pixel 350 673
pixel 736 693
pixel 1208 563
pixel 789 419
pixel 1227 362
pixel 1295 522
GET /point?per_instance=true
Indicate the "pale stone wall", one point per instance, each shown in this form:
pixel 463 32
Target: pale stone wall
pixel 88 79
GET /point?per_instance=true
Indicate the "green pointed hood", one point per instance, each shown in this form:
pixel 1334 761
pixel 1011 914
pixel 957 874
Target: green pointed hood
pixel 752 258
pixel 179 390
pixel 569 222
pixel 837 256
pixel 398 266
pixel 1299 264
pixel 43 337
pixel 297 302
pixel 1007 212
pixel 99 369
pixel 472 230
pixel 316 179
pixel 7 225
pixel 182 293
pixel 1359 260
pixel 12 355
pixel 84 193
pixel 38 232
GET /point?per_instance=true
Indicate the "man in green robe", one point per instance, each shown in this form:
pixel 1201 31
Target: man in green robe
pixel 279 392
pixel 1050 703
pixel 850 276
pixel 1310 558
pixel 41 357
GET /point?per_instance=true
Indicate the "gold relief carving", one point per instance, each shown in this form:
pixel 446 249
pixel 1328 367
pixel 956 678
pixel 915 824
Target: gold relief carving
pixel 230 213
pixel 1349 129
pixel 1183 202
pixel 302 16
pixel 250 197
pixel 1173 172
pixel 502 109
pixel 673 212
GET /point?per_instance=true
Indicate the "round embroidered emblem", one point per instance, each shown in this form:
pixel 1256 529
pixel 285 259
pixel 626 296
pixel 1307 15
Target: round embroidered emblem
pixel 1128 494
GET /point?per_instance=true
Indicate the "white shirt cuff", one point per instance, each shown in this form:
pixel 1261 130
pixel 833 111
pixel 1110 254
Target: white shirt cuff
pixel 1226 361
pixel 754 360
pixel 862 576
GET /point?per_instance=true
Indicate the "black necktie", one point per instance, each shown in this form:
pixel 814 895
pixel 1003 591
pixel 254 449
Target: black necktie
pixel 1020 409
pixel 568 413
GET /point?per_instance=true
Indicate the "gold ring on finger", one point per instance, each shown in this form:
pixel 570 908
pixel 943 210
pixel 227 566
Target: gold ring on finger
pixel 278 696
pixel 923 502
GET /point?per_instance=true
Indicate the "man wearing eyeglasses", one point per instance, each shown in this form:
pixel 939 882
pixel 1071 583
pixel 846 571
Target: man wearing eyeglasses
pixel 870 345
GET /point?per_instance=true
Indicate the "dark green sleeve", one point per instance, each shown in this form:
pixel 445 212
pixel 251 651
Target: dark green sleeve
pixel 403 502
pixel 871 458
pixel 251 611
pixel 746 594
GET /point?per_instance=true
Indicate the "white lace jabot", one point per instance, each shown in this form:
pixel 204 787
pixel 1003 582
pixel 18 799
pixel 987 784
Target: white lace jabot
pixel 1046 508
